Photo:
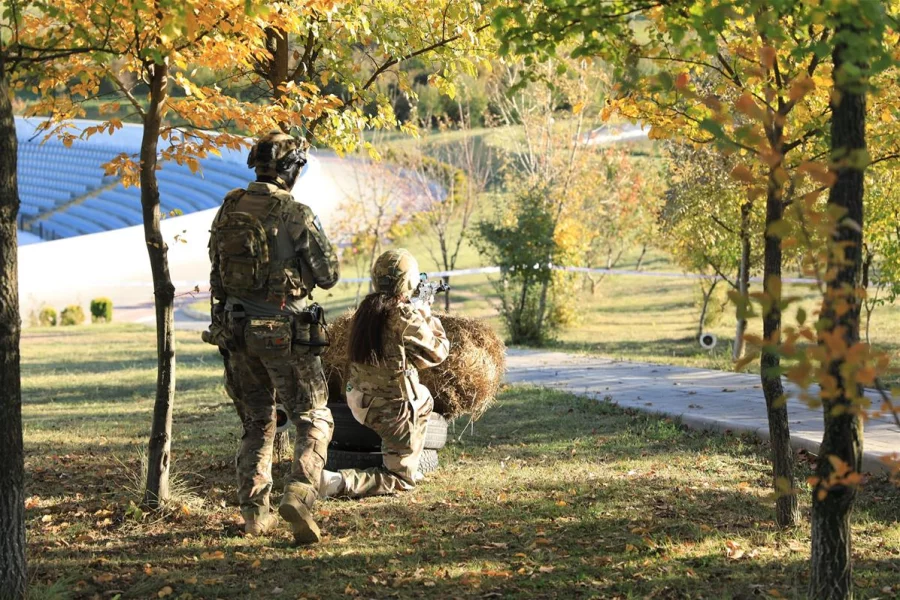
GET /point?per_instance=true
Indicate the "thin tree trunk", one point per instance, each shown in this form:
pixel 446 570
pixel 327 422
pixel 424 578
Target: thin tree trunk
pixel 869 303
pixel 640 261
pixel 542 307
pixel 831 574
pixel 282 447
pixel 787 509
pixel 160 448
pixel 707 294
pixel 13 579
pixel 743 283
pixel 519 335
pixel 447 293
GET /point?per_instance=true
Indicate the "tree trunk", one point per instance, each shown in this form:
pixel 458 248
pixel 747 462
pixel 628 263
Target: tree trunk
pixel 542 308
pixel 640 260
pixel 743 283
pixel 277 45
pixel 12 458
pixel 159 458
pixel 447 293
pixel 786 505
pixel 869 303
pixel 707 294
pixel 831 574
pixel 282 448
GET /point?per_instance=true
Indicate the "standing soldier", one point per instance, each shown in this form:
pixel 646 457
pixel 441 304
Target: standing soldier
pixel 268 252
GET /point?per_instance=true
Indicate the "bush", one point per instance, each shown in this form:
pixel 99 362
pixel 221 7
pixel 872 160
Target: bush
pixel 71 315
pixel 47 317
pixel 101 310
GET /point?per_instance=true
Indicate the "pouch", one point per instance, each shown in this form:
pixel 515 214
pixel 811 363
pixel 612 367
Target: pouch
pixel 359 404
pixel 268 337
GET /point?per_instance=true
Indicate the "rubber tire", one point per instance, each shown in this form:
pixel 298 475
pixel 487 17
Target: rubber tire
pixel 346 459
pixel 350 434
pixel 436 432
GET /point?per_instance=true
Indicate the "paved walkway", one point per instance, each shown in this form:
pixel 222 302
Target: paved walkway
pixel 702 398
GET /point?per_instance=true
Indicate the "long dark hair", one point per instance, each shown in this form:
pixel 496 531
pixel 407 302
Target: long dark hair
pixel 367 328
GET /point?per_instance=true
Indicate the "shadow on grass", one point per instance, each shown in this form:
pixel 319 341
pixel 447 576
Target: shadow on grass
pixel 465 547
pixel 555 497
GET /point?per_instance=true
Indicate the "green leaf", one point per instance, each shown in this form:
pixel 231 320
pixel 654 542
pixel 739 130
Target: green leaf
pixel 714 128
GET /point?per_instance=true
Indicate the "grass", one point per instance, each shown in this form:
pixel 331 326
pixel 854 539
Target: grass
pixel 636 318
pixel 554 496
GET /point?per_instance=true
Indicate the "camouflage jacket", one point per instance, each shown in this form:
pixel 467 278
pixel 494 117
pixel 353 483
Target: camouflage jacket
pixel 414 339
pixel 308 257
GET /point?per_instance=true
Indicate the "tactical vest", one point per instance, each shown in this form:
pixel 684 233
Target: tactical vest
pixel 254 250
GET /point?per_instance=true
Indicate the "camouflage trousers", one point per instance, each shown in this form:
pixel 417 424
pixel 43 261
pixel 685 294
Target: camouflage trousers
pixel 402 430
pixel 252 382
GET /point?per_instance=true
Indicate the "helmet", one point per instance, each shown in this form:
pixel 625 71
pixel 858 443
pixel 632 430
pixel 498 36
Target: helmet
pixel 395 272
pixel 275 153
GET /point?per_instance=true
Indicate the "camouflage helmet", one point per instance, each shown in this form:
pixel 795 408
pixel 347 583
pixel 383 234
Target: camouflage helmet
pixel 274 152
pixel 395 272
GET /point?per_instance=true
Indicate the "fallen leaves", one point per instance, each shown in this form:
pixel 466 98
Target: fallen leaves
pixel 165 591
pixel 734 551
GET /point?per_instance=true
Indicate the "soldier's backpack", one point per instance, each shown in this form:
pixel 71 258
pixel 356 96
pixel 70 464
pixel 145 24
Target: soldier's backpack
pixel 244 245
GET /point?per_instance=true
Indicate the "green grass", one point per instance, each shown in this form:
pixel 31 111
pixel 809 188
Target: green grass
pixel 554 496
pixel 637 318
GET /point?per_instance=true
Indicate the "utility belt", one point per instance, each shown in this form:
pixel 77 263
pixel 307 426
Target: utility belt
pixel 278 336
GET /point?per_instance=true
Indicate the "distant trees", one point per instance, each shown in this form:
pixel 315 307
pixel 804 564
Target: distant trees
pixel 566 201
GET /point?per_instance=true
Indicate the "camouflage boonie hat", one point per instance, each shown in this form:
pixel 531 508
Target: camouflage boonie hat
pixel 273 147
pixel 395 272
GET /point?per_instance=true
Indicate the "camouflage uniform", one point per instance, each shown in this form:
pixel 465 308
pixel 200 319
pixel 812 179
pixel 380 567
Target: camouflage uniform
pixel 263 331
pixel 389 399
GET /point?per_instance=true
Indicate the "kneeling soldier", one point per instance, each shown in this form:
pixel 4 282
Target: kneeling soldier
pixel 390 339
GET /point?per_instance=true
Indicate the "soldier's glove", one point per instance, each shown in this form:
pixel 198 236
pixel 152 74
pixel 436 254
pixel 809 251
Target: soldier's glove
pixel 218 333
pixel 217 314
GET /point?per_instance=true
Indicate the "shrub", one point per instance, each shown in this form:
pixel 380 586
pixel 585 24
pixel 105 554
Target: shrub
pixel 47 317
pixel 101 310
pixel 71 315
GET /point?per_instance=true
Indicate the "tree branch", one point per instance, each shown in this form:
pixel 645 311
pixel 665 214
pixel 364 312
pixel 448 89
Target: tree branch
pixel 801 140
pixel 719 272
pixel 887 400
pixel 127 93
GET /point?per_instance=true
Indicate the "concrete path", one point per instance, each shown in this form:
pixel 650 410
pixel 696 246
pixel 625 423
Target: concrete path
pixel 702 398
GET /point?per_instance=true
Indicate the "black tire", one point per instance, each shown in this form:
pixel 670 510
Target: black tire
pixel 346 459
pixel 350 434
pixel 436 433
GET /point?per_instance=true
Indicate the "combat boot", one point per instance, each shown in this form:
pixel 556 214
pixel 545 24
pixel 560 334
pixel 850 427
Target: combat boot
pixel 300 518
pixel 259 525
pixel 331 484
